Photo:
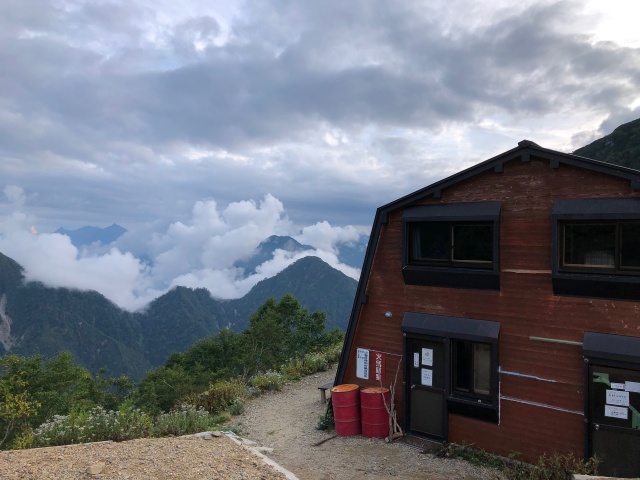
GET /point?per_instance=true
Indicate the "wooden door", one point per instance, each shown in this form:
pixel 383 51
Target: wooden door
pixel 426 369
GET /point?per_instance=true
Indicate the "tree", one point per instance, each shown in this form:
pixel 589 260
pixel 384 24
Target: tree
pixel 16 406
pixel 282 331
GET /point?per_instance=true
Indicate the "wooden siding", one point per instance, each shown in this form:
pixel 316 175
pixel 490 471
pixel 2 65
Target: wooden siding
pixel 548 374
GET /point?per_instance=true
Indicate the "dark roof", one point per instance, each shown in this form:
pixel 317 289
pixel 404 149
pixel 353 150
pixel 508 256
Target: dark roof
pixel 525 150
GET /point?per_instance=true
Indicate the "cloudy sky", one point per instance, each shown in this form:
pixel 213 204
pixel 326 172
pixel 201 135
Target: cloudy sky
pixel 204 126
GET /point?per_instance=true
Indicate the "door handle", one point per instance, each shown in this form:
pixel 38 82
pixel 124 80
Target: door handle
pixel 413 386
pixel 596 426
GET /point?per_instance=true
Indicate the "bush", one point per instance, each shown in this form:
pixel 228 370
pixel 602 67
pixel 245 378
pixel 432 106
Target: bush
pixel 268 381
pixel 237 407
pixel 333 352
pixel 94 425
pixel 221 395
pixel 184 420
pixel 553 467
pixel 326 421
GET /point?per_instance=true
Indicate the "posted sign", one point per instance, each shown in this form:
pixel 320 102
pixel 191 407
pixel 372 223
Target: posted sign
pixel 379 363
pixel 370 365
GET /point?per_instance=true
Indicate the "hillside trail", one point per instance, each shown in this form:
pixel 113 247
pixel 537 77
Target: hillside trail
pixel 286 422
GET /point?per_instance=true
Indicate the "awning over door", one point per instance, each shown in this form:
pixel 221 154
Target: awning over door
pixel 611 347
pixel 457 327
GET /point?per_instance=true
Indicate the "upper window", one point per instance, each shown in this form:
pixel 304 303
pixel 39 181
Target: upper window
pixel 601 246
pixel 595 250
pixel 452 245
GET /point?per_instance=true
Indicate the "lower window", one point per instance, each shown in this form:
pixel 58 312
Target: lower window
pixel 474 385
pixel 471 368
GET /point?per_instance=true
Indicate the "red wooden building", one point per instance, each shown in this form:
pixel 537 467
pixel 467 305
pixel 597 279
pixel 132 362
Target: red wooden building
pixel 509 296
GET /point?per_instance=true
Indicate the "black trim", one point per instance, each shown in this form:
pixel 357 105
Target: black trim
pixel 473 409
pixel 451 327
pixel 620 348
pixel 622 286
pixel 597 209
pixel 451 277
pixel 463 211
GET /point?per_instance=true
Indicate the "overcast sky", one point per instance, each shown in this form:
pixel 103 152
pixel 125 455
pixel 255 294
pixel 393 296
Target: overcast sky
pixel 203 126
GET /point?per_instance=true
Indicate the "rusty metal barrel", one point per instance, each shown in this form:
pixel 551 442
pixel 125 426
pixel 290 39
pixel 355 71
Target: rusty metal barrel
pixel 345 399
pixel 374 414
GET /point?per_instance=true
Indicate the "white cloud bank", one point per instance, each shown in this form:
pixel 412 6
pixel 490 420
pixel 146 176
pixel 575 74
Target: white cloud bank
pixel 198 252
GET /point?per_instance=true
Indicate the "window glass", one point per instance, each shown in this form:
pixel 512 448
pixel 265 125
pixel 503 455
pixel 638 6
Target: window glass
pixel 590 245
pixel 473 243
pixel 431 241
pixel 451 244
pixel 482 368
pixel 462 365
pixel 630 245
pixel 471 369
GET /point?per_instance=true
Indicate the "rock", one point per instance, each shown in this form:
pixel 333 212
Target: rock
pixel 96 469
pixel 263 449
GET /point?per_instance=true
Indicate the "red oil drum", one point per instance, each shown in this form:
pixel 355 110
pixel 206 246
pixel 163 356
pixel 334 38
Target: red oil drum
pixel 375 418
pixel 346 409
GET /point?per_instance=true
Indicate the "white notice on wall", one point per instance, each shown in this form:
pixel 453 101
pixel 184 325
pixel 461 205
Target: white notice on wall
pixel 427 357
pixel 617 386
pixel 427 377
pixel 632 387
pixel 616 412
pixel 362 364
pixel 416 359
pixel 616 397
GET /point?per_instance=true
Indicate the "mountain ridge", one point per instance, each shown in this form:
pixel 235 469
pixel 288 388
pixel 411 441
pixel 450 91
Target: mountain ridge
pixel 46 320
pixel 620 147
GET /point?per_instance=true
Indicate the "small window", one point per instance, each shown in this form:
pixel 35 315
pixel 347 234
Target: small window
pixel 471 368
pixel 451 244
pixel 607 247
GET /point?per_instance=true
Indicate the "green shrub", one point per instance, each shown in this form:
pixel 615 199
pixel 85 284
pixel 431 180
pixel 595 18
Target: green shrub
pixel 316 362
pixel 326 421
pixel 268 381
pixel 184 420
pixel 333 352
pixel 237 407
pixel 221 395
pixel 553 467
pixel 295 369
pixel 94 425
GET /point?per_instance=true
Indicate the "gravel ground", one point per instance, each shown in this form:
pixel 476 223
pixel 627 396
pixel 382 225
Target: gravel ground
pixel 286 421
pixel 184 458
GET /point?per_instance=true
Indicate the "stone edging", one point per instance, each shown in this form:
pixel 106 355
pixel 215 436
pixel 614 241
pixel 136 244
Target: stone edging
pixel 251 446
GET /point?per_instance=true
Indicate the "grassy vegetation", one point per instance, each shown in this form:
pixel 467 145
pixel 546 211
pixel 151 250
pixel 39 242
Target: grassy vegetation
pixel 56 402
pixel 548 467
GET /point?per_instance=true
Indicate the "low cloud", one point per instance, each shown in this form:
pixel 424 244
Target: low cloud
pixel 199 251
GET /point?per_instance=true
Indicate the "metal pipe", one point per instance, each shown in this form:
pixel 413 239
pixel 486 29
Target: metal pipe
pixel 556 340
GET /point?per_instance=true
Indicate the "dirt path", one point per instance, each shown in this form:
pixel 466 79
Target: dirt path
pixel 286 421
